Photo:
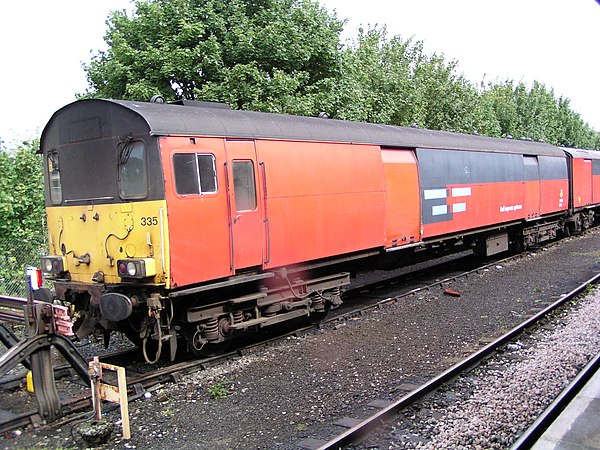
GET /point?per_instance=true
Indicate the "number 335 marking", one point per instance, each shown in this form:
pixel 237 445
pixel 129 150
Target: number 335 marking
pixel 149 221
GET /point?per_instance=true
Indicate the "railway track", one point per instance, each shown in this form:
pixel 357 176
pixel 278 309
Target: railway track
pixel 359 431
pixel 11 309
pixel 378 296
pixel 362 297
pixel 535 431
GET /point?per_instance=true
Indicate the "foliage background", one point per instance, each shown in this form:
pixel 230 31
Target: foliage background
pixel 22 230
pixel 285 56
pixel 281 56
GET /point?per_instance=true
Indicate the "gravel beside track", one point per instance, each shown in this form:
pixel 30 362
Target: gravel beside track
pixel 492 406
pixel 272 398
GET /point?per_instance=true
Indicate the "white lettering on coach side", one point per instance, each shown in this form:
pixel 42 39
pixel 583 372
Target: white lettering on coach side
pixel 510 208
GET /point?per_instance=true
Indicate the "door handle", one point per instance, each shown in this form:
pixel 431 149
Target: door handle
pixel 237 218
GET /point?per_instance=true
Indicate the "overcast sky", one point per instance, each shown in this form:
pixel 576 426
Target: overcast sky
pixel 44 43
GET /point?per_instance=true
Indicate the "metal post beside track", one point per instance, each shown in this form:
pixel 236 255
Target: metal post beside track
pixel 115 394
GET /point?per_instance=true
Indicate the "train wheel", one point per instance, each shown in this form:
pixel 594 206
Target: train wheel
pixel 201 348
pixel 316 317
pixel 211 338
pixel 320 310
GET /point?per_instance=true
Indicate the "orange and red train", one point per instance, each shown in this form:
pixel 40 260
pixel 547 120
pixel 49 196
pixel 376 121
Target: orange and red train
pixel 193 221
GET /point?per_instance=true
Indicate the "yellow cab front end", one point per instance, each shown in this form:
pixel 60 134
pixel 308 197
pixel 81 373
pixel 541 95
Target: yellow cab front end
pixel 108 246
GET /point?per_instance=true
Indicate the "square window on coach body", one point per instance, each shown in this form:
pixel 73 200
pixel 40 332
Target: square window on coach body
pixel 194 173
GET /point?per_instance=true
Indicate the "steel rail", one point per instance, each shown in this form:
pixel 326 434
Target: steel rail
pixel 12 302
pixel 20 421
pixel 363 428
pixel 8 315
pixel 544 421
pixel 11 308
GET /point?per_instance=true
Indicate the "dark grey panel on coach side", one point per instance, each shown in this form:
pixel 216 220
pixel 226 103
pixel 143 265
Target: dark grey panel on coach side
pixel 441 168
pixel 553 168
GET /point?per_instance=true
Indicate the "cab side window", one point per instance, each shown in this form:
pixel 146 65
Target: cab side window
pixel 133 172
pixel 54 178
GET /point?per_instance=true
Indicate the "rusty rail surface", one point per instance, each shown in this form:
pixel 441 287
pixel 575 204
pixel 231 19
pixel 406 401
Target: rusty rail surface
pixel 11 309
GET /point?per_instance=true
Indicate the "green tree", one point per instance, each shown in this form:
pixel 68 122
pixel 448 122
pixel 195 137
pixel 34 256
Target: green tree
pixel 536 113
pixel 502 101
pixel 21 214
pixel 263 55
pixel 573 131
pixel 393 81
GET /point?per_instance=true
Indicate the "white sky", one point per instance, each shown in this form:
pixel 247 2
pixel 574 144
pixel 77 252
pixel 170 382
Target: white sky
pixel 44 43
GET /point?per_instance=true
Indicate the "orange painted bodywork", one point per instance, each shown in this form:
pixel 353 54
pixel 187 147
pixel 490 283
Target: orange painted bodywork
pixel 322 199
pixel 314 200
pixel 531 206
pixel 554 197
pixel 199 224
pixel 247 225
pixel 582 182
pixel 402 200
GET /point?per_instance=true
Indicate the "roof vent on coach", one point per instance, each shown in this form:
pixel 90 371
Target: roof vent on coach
pixel 157 99
pixel 200 104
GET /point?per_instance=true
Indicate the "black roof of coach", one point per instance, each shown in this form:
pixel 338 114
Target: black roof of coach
pixel 581 153
pixel 171 119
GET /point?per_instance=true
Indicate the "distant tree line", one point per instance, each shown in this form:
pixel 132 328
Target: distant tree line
pixel 285 56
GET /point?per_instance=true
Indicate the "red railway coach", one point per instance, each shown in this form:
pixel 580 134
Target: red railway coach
pixel 466 190
pixel 584 166
pixel 194 221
